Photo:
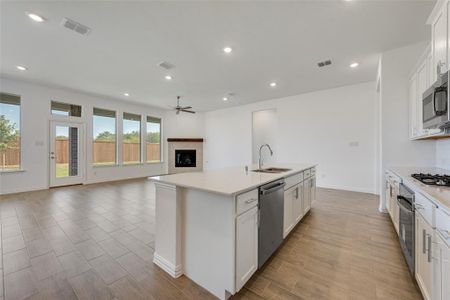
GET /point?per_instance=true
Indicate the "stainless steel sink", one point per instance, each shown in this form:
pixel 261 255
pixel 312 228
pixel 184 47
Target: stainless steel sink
pixel 272 170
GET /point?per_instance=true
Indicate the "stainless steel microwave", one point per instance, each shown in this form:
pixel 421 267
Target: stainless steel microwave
pixel 435 105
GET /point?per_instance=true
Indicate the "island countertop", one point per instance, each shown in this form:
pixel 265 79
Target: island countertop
pixel 229 181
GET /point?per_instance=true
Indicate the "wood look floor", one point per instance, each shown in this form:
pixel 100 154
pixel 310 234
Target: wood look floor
pixel 96 242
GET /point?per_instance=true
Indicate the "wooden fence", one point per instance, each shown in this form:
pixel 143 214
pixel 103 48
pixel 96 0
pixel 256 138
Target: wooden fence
pixel 103 152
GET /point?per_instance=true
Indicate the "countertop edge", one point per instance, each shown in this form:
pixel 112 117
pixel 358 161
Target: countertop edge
pixel 234 193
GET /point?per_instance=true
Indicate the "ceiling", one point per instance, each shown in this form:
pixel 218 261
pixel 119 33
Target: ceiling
pixel 271 41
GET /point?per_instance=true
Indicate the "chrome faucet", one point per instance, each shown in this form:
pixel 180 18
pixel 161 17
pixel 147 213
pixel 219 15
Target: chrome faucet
pixel 260 161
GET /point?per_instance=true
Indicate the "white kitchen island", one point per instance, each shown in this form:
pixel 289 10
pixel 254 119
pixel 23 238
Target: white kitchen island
pixel 207 222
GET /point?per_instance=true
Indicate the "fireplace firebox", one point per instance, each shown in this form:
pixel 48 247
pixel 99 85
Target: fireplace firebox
pixel 185 158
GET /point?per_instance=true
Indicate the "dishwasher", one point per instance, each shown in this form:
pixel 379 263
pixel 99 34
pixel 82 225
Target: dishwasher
pixel 271 210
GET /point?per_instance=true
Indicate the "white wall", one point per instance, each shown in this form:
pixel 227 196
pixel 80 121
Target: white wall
pixel 443 154
pixel 265 131
pixel 333 128
pixel 35 118
pixel 396 147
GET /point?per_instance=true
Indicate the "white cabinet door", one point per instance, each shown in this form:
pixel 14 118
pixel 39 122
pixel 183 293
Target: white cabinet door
pixel 306 195
pixel 313 189
pixel 246 246
pixel 297 205
pixel 288 221
pixel 439 42
pixel 422 85
pixel 413 106
pixel 445 272
pixel 424 263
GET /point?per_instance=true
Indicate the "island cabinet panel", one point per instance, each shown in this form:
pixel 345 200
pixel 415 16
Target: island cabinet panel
pixel 246 201
pixel 288 216
pixel 246 246
pixel 297 206
pixel 306 195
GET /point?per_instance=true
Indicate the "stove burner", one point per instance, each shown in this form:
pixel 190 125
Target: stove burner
pixel 429 179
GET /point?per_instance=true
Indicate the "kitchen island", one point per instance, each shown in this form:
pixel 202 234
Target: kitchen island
pixel 207 222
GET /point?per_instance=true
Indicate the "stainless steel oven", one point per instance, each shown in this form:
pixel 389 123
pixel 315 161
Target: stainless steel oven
pixel 407 228
pixel 435 105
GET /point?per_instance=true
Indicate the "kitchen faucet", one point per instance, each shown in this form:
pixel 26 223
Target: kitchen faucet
pixel 260 161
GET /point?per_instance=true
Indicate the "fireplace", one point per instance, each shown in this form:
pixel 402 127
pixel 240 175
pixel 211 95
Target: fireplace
pixel 185 158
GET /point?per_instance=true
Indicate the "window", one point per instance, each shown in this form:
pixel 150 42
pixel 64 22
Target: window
pixel 9 132
pixel 104 131
pixel 64 109
pixel 153 140
pixel 131 147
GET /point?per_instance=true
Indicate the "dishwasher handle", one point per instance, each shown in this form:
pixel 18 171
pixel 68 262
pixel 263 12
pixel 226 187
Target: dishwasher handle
pixel 272 188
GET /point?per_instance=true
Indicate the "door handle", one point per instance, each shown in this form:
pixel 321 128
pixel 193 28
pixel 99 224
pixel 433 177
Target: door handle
pixel 296 193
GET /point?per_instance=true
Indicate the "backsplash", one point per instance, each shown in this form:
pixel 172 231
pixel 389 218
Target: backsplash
pixel 443 154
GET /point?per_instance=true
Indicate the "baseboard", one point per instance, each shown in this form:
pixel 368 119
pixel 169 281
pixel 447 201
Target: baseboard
pixel 24 190
pixel 349 188
pixel 174 271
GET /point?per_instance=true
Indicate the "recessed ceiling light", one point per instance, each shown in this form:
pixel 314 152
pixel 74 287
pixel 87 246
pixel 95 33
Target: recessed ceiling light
pixel 35 17
pixel 21 68
pixel 168 77
pixel 273 84
pixel 354 65
pixel 227 50
pixel 225 98
pixel 126 94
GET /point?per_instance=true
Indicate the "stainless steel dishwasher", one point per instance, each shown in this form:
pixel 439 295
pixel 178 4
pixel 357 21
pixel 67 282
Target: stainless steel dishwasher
pixel 271 210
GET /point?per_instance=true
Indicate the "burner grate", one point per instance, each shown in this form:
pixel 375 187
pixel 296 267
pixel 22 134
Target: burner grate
pixel 436 179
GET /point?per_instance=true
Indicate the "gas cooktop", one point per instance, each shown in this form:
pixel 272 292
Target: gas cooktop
pixel 429 179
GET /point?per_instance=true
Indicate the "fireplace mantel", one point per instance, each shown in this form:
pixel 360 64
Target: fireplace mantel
pixel 186 140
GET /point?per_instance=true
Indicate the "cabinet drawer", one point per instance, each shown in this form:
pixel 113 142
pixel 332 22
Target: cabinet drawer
pixel 307 173
pixel 426 208
pixel 246 201
pixel 443 224
pixel 293 180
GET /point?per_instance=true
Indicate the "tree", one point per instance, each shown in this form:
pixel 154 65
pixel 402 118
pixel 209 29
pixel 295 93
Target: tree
pixel 105 136
pixel 153 137
pixel 9 137
pixel 131 137
pixel 8 134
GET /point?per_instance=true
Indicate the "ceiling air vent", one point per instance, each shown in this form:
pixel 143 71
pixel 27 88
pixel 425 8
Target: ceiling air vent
pixel 75 26
pixel 324 63
pixel 166 65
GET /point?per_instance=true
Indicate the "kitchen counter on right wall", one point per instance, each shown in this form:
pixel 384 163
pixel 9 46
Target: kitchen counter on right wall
pixel 439 195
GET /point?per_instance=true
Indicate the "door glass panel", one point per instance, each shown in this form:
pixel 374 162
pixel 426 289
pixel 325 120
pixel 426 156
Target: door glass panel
pixel 66 151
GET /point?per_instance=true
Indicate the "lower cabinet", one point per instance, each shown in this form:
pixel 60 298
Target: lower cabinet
pixel 424 256
pixel 307 195
pixel 246 246
pixel 293 209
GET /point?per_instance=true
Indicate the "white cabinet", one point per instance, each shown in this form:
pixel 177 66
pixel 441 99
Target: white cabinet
pixel 441 269
pixel 246 246
pixel 424 262
pixel 288 218
pixel 439 42
pixel 293 208
pixel 306 195
pixel 313 189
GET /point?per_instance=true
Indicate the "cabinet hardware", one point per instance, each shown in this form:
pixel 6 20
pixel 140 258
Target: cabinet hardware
pixel 250 200
pixel 296 193
pixel 424 242
pixel 429 248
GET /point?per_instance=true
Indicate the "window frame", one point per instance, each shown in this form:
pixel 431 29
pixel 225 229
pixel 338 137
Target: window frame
pixel 161 153
pixel 141 152
pixel 20 168
pixel 59 116
pixel 116 146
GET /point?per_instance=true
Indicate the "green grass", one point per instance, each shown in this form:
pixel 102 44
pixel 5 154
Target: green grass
pixel 62 170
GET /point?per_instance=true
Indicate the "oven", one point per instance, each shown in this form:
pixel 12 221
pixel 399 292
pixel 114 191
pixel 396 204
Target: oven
pixel 405 201
pixel 435 105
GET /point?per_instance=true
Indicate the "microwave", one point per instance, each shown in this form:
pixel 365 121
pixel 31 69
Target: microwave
pixel 435 105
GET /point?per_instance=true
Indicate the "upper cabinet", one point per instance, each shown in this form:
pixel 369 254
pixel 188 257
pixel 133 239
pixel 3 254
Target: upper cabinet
pixel 434 61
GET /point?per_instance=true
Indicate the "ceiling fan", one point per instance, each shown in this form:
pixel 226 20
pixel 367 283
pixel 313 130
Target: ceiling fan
pixel 179 108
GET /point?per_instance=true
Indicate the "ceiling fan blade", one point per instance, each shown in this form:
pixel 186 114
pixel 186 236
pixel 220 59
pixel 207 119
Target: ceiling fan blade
pixel 187 107
pixel 178 111
pixel 188 111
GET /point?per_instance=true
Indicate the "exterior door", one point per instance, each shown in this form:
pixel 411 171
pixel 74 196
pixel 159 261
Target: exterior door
pixel 66 153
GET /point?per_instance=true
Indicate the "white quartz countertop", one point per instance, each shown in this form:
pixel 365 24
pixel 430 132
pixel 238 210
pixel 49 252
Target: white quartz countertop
pixel 439 195
pixel 229 181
